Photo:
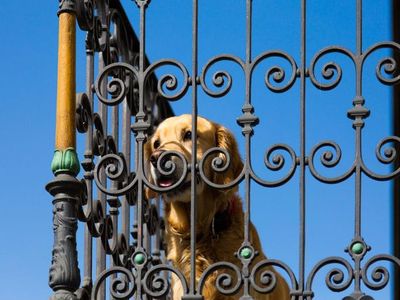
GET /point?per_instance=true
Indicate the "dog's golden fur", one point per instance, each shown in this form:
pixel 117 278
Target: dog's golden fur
pixel 174 134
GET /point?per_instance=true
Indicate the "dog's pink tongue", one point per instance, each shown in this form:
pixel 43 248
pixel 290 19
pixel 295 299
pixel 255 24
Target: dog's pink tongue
pixel 166 183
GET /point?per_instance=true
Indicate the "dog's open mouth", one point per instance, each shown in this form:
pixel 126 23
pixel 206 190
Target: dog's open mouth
pixel 166 182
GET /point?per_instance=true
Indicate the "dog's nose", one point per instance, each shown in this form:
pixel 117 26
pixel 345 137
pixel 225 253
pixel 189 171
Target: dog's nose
pixel 155 156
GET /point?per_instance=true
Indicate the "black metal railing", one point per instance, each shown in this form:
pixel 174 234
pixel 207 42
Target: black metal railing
pixel 124 101
pixel 114 40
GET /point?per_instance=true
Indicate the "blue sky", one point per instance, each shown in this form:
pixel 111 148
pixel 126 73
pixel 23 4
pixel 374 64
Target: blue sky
pixel 28 81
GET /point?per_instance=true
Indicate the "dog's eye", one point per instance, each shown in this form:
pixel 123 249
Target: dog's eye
pixel 187 136
pixel 156 144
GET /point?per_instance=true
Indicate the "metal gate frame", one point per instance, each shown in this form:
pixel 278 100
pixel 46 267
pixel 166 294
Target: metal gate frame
pixel 126 87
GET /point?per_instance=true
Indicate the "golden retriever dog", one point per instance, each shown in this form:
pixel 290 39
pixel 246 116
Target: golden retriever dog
pixel 220 217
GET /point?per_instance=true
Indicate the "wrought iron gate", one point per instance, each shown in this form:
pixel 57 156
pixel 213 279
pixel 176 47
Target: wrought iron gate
pixel 109 199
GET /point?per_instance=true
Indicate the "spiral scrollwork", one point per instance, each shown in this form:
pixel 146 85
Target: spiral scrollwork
pixel 276 161
pixel 386 152
pixel 122 75
pixel 390 153
pixel 328 159
pixel 89 211
pixel 85 14
pixel 113 171
pixel 111 145
pixel 99 141
pixel 380 274
pixel 152 220
pixel 224 281
pixel 83 112
pixel 110 234
pixel 100 27
pixel 95 221
pixel 96 39
pixel 387 65
pixel 118 47
pixel 166 166
pixel 221 79
pixel 335 279
pixel 331 70
pixel 267 277
pixel 218 165
pixel 156 285
pixel 114 167
pixel 82 213
pixel 92 215
pixel 276 74
pixel 123 246
pixel 121 287
pixel 169 81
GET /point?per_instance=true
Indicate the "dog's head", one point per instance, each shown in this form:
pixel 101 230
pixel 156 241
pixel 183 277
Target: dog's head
pixel 175 135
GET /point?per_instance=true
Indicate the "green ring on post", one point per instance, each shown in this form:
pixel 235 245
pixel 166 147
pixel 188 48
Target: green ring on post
pixel 139 258
pixel 246 253
pixel 357 248
pixel 65 161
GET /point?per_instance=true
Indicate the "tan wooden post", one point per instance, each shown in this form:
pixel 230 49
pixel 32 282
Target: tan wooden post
pixel 65 120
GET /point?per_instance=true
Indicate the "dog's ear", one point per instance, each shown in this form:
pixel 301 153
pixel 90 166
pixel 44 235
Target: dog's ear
pixel 149 193
pixel 226 140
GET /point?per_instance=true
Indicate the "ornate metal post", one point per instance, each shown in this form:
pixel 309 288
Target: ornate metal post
pixel 65 188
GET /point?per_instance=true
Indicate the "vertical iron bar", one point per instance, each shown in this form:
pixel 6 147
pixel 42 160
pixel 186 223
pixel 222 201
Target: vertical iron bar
pixel 88 243
pixel 114 202
pixel 141 116
pixel 359 29
pixel 302 161
pixel 358 128
pixel 140 127
pixel 101 254
pixel 115 125
pixel 396 128
pixel 126 142
pixel 249 109
pixel 88 246
pixel 357 228
pixel 248 37
pixel 126 150
pixel 359 114
pixel 193 206
pixel 125 137
pixel 247 121
pixel 103 10
pixel 156 253
pixel 146 239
